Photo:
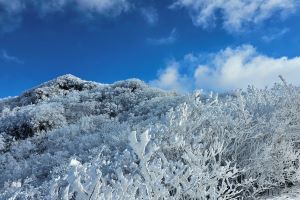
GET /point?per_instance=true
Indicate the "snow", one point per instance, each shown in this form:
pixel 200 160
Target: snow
pixel 75 139
pixel 287 194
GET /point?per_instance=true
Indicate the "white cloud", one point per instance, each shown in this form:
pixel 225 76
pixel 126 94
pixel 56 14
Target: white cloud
pixel 107 7
pixel 243 66
pixel 276 35
pixel 230 69
pixel 8 58
pixel 164 40
pixel 10 14
pixel 235 14
pixel 11 11
pixel 171 79
pixel 150 15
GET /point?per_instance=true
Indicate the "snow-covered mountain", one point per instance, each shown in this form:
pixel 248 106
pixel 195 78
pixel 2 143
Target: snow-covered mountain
pixel 74 139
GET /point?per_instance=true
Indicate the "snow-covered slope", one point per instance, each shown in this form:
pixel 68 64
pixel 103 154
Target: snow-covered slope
pixel 75 139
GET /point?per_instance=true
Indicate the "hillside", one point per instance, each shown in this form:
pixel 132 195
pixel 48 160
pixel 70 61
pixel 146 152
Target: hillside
pixel 75 139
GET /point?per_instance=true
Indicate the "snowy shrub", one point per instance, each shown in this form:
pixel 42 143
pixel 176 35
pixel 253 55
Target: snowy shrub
pixel 60 86
pixel 23 122
pixel 197 174
pixel 73 139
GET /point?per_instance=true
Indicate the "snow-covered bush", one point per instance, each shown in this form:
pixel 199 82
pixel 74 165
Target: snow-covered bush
pixel 23 122
pixel 84 140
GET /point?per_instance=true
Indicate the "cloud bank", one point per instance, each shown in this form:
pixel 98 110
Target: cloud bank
pixel 11 11
pixel 230 69
pixel 235 15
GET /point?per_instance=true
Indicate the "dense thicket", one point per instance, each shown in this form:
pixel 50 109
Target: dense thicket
pixel 74 139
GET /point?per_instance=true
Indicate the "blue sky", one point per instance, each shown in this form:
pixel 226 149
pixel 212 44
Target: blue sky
pixel 172 44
